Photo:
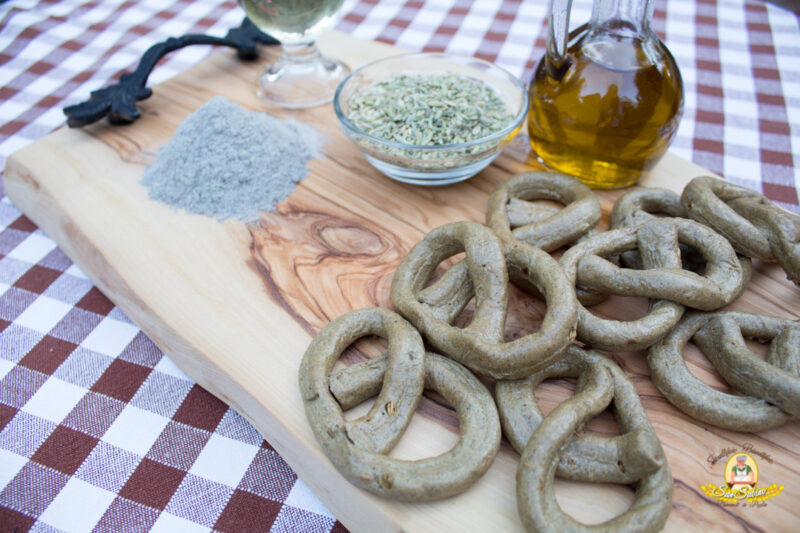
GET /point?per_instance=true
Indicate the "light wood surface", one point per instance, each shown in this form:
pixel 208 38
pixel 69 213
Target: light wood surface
pixel 237 312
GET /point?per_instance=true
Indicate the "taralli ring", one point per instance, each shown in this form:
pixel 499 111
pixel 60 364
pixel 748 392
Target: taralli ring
pixel 662 279
pixel 426 479
pixel 481 346
pixel 625 459
pixel 755 226
pixel 384 424
pixel 513 218
pixel 720 337
pixel 616 335
pixel 774 380
pixel 640 205
pixel 552 438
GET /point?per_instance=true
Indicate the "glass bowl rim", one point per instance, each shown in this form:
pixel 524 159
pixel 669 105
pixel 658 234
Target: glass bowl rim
pixel 514 124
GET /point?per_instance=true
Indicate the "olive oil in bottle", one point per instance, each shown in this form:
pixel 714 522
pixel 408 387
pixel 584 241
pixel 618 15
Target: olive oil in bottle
pixel 608 108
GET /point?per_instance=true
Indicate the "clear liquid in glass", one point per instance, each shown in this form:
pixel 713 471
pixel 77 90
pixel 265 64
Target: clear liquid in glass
pixel 291 21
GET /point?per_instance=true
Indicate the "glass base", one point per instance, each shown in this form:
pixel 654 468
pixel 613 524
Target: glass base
pixel 301 78
pixel 430 178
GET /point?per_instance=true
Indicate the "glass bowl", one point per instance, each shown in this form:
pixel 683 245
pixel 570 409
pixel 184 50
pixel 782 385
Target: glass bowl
pixel 424 164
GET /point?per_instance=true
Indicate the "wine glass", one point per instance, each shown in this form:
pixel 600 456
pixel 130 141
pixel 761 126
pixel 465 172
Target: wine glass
pixel 301 77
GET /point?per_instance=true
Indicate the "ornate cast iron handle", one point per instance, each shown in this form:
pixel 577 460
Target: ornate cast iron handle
pixel 118 100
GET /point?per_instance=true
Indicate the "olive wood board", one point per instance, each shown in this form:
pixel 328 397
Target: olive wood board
pixel 239 325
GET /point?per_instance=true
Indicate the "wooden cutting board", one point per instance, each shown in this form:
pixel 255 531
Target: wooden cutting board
pixel 239 326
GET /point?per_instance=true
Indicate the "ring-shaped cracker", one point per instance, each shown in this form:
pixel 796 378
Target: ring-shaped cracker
pixel 662 315
pixel 480 346
pixel 625 458
pixel 755 226
pixel 639 206
pixel 384 424
pixel 670 374
pixel 426 479
pixel 774 379
pixel 536 501
pixel 722 282
pixel 444 299
pixel 706 198
pixel 781 229
pixel 513 218
pixel 663 279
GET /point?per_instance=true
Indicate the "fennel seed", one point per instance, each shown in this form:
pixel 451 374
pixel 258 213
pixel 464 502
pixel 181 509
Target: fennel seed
pixel 428 109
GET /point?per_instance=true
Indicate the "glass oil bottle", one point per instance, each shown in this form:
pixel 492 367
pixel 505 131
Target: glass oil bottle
pixel 606 99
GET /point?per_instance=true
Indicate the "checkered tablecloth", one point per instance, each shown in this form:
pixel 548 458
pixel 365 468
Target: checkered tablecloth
pixel 98 429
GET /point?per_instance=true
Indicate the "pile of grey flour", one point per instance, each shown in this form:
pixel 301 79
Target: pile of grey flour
pixel 227 162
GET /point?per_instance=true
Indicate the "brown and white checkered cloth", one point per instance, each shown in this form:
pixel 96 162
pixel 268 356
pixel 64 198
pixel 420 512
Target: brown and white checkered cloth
pixel 98 429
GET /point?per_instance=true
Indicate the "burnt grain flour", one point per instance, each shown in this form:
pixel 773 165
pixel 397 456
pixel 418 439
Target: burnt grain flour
pixel 227 162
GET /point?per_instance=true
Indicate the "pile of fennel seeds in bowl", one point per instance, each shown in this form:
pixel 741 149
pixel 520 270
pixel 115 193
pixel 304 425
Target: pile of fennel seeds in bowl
pixel 428 110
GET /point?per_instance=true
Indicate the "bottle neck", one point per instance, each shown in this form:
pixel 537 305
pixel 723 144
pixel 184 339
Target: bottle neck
pixel 622 16
pixel 619 19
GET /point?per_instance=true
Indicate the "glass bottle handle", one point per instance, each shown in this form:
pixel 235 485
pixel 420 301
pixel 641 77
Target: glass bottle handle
pixel 557 61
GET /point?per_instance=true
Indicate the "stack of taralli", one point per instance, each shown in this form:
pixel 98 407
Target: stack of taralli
pixel 656 242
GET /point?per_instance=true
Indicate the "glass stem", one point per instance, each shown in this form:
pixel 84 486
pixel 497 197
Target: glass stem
pixel 300 53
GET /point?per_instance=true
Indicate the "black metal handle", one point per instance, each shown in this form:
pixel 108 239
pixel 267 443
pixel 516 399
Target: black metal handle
pixel 118 101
